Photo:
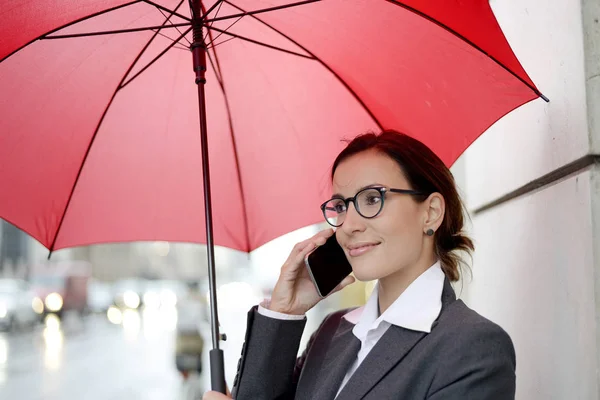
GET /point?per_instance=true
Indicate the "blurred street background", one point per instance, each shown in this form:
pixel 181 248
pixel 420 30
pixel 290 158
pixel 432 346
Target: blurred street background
pixel 129 321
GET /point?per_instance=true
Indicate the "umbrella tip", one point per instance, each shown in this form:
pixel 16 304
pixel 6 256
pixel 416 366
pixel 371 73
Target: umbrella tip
pixel 547 100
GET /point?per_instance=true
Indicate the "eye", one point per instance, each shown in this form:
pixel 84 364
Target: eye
pixel 335 206
pixel 372 199
pixel 339 207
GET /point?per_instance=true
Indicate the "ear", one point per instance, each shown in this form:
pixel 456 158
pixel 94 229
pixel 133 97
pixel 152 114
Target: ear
pixel 435 208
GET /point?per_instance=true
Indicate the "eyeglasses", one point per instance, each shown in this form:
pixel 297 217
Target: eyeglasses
pixel 367 202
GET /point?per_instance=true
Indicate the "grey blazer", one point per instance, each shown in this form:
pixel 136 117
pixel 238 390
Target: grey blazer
pixel 464 357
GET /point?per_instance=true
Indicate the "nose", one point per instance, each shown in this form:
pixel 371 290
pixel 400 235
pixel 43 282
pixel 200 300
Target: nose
pixel 353 222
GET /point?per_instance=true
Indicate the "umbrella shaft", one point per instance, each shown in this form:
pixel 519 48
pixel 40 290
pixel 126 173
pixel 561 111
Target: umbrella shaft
pixel 208 215
pixel 199 57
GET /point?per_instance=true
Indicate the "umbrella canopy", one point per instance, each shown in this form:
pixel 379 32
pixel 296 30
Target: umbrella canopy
pixel 99 134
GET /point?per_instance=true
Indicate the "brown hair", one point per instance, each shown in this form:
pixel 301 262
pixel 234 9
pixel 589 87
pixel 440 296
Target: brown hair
pixel 425 173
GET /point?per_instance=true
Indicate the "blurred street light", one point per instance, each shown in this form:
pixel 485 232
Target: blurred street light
pixel 131 299
pixel 54 302
pixel 114 315
pixel 38 305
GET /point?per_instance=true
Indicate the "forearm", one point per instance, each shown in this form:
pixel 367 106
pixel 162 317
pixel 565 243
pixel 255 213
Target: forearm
pixel 266 367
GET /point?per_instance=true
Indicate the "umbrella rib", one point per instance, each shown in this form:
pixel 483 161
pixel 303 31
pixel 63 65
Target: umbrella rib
pixel 323 63
pixel 264 10
pixel 164 15
pixel 113 32
pixel 220 43
pixel 463 38
pixel 173 40
pixel 155 59
pixel 218 3
pixel 222 32
pixel 217 71
pixel 71 23
pixel 93 139
pixel 212 23
pixel 168 19
pixel 172 12
pixel 235 36
pixel 219 75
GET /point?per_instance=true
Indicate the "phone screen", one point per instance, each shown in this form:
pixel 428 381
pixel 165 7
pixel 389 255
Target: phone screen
pixel 328 266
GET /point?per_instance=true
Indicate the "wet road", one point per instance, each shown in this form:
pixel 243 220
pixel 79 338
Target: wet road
pixel 92 359
pixel 129 359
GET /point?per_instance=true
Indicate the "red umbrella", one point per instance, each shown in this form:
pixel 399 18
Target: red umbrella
pixel 100 139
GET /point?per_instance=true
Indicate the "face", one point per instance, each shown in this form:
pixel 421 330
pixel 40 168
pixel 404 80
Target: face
pixel 393 240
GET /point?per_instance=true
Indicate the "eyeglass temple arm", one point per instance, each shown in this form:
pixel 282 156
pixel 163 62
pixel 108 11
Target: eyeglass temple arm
pixel 406 191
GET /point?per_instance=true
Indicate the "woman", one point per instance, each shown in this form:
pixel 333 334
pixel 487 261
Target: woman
pixel 399 220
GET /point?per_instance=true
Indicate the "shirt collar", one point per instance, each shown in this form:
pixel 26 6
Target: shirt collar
pixel 417 308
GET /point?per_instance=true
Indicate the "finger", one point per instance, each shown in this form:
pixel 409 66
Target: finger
pixel 326 233
pixel 291 268
pixel 297 249
pixel 304 253
pixel 347 281
pixel 319 239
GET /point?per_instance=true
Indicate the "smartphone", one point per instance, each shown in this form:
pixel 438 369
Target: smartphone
pixel 327 266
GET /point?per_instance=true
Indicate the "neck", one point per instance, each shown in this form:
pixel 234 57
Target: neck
pixel 392 286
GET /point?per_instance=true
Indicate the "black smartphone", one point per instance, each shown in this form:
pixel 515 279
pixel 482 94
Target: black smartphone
pixel 327 266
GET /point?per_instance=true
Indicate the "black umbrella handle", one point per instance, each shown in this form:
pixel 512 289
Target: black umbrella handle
pixel 217 371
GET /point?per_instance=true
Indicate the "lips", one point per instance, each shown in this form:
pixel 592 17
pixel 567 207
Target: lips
pixel 359 249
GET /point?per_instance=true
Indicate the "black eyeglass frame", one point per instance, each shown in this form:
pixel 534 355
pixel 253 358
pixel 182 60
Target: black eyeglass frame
pixel 382 191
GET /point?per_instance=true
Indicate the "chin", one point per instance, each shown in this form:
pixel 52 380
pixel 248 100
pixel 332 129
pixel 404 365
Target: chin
pixel 365 277
pixel 364 271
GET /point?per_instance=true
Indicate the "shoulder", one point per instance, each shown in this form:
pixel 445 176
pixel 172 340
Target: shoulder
pixel 470 334
pixel 475 357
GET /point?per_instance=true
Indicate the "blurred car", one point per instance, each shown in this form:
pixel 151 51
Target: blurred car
pixel 100 296
pixel 62 287
pixel 17 304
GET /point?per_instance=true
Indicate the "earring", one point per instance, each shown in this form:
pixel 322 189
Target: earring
pixel 429 232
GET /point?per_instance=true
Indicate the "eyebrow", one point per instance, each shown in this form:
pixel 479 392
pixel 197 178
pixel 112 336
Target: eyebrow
pixel 373 185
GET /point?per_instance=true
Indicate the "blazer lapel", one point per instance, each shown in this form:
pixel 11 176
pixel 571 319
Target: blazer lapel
pixel 393 346
pixel 391 349
pixel 341 353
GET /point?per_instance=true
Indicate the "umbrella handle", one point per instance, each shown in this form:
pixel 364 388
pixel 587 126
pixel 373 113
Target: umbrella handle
pixel 217 371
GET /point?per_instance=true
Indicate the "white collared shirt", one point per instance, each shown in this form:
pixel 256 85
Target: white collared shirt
pixel 416 308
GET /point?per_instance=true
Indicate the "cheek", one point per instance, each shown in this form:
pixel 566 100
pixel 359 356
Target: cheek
pixel 403 240
pixel 400 223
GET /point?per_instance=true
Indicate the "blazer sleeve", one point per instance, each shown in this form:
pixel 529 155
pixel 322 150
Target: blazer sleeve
pixel 478 365
pixel 268 368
